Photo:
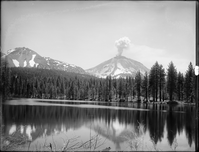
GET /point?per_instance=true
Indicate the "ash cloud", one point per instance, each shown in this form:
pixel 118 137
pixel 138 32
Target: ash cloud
pixel 122 44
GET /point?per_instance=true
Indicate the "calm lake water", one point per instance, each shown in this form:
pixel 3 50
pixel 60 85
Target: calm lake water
pixel 92 126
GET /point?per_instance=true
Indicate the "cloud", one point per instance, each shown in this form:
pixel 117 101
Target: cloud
pixel 148 56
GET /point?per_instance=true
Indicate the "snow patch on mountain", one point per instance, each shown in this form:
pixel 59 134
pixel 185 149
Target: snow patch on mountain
pixel 142 71
pixel 47 58
pixel 9 51
pixel 118 71
pixel 118 67
pixel 131 69
pixel 73 65
pixel 25 63
pixel 25 57
pixel 32 62
pixel 58 62
pixel 16 63
pixel 106 69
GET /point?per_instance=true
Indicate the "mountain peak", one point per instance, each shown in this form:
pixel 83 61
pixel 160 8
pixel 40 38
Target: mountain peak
pixel 20 50
pixel 118 66
pixel 25 57
pixel 119 57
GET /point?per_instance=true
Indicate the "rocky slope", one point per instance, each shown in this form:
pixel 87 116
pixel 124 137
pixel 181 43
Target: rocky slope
pixel 118 66
pixel 25 57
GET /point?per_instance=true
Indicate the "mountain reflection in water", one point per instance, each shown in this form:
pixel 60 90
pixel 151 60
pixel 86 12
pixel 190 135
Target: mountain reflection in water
pixel 160 126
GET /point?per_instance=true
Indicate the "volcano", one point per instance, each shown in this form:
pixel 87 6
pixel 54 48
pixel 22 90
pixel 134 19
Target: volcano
pixel 118 66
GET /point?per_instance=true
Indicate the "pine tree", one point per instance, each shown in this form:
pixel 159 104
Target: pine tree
pixel 154 81
pixel 189 83
pixel 71 90
pixel 120 87
pixel 115 88
pixel 107 89
pixel 180 86
pixel 161 81
pixel 145 86
pixel 100 91
pixel 138 81
pixel 5 81
pixel 110 88
pixel 171 80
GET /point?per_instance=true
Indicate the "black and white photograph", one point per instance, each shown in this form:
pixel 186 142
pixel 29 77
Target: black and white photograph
pixel 99 76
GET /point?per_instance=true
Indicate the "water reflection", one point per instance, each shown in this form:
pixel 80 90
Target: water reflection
pixel 39 121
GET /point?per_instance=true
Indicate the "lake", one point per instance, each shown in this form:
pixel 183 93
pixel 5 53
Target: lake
pixel 52 125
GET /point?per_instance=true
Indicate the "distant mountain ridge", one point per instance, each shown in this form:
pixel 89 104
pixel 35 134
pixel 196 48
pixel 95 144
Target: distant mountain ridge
pixel 118 66
pixel 25 57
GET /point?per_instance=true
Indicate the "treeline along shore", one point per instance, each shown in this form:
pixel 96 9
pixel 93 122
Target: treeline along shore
pixel 156 86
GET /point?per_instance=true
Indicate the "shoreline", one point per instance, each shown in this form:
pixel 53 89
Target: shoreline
pixel 60 101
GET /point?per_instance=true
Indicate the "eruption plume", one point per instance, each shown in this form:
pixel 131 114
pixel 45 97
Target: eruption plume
pixel 122 44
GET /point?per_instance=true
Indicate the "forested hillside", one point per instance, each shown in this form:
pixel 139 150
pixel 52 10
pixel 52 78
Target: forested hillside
pixel 157 85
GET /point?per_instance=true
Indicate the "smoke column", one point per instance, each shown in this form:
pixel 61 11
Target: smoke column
pixel 122 44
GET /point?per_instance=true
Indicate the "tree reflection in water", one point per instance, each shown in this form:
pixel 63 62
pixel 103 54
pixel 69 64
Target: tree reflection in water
pixel 109 123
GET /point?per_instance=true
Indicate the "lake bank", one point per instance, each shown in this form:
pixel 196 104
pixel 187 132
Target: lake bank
pixel 157 106
pixel 115 103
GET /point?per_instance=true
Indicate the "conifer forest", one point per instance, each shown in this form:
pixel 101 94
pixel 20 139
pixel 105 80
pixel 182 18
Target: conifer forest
pixel 158 85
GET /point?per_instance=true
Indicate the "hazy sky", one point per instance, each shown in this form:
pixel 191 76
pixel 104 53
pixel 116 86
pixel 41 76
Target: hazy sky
pixel 84 33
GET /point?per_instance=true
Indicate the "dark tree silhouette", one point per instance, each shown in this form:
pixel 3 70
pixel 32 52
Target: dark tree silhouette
pixel 189 83
pixel 138 81
pixel 56 84
pixel 171 80
pixel 161 81
pixel 145 86
pixel 180 86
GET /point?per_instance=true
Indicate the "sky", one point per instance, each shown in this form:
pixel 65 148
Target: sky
pixel 84 32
